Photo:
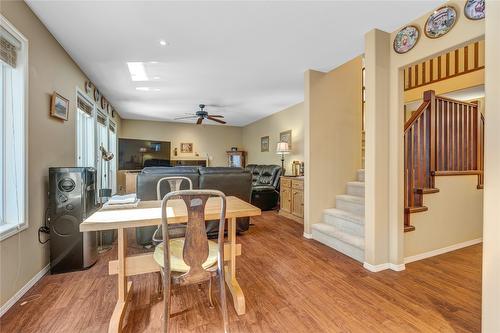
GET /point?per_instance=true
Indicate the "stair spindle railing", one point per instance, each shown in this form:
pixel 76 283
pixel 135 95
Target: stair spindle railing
pixel 443 137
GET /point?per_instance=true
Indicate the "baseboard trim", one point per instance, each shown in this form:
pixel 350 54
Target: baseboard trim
pixel 23 290
pixel 308 236
pixel 383 267
pixel 442 250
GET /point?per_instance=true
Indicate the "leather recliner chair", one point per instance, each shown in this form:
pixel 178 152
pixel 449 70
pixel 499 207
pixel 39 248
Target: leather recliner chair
pixel 231 181
pixel 265 185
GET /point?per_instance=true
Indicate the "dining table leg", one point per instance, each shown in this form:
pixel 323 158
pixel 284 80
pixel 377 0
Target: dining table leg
pixel 124 286
pixel 230 271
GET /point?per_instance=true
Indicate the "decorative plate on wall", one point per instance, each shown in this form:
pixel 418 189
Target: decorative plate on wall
pixel 440 22
pixel 406 39
pixel 475 9
pixel 97 95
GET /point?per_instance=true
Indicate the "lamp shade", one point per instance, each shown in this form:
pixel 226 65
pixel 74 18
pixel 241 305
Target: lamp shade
pixel 282 148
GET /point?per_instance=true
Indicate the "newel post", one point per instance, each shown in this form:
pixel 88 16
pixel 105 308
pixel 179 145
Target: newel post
pixel 430 96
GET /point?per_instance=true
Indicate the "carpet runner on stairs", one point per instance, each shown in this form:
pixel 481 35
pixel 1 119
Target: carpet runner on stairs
pixel 343 227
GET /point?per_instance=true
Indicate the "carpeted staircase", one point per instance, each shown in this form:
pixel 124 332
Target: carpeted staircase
pixel 343 227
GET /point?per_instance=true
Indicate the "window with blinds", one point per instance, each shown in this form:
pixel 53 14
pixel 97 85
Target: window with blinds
pixel 85 132
pixel 84 106
pixel 13 145
pixel 9 46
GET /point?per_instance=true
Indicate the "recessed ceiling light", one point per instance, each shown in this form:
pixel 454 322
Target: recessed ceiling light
pixel 137 71
pixel 163 42
pixel 156 77
pixel 142 88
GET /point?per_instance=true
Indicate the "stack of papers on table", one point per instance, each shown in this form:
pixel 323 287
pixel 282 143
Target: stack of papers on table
pixel 122 201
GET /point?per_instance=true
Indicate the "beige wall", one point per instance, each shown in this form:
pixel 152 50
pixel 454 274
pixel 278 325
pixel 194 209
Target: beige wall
pixel 209 140
pixel 465 31
pixel 332 136
pixel 291 118
pixel 491 226
pixel 51 142
pixel 455 216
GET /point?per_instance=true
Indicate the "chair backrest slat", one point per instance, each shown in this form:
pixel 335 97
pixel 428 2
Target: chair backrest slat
pixel 174 182
pixel 196 249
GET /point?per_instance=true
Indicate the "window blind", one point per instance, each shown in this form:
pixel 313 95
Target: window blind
pixel 8 48
pixel 101 119
pixel 84 106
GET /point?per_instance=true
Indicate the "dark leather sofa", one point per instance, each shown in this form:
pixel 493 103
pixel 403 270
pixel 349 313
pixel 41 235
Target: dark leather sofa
pixel 265 185
pixel 231 181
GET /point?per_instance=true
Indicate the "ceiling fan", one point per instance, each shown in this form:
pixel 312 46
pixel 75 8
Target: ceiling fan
pixel 202 114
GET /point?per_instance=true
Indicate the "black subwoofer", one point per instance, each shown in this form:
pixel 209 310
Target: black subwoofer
pixel 72 198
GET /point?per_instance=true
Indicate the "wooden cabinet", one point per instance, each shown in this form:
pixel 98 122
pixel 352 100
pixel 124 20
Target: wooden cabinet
pixel 286 199
pixel 236 158
pixel 292 198
pixel 126 181
pixel 298 203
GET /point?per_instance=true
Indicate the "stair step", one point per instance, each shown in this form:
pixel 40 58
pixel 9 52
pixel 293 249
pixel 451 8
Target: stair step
pixel 351 204
pixel 345 221
pixel 356 189
pixel 412 210
pixel 426 190
pixel 361 175
pixel 345 243
pixel 345 215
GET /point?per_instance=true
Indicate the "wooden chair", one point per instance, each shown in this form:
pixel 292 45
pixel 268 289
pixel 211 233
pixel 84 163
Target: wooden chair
pixel 175 185
pixel 192 259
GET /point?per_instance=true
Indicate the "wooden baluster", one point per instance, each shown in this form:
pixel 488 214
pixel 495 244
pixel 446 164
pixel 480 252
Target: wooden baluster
pixel 448 135
pixel 432 135
pixel 453 136
pixel 443 136
pixel 460 138
pixel 466 135
pixel 475 141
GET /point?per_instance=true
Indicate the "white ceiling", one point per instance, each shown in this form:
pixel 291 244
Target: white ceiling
pixel 247 57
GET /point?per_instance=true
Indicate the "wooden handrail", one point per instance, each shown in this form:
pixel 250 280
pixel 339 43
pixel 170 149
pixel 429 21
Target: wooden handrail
pixel 443 137
pixel 416 114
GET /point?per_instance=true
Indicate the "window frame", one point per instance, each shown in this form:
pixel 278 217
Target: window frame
pixel 81 94
pixel 7 229
pixel 108 120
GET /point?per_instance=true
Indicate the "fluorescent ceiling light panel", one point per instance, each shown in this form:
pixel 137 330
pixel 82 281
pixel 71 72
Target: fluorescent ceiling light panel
pixel 137 71
pixel 142 88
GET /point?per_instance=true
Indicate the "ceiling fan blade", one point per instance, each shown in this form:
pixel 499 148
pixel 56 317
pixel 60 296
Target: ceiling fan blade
pixel 198 122
pixel 188 117
pixel 216 116
pixel 216 120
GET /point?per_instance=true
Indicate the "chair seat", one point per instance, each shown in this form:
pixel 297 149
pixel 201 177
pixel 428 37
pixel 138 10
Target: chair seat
pixel 177 263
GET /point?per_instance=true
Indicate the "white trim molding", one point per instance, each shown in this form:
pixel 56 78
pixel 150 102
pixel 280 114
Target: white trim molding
pixel 383 267
pixel 308 236
pixel 442 250
pixel 23 290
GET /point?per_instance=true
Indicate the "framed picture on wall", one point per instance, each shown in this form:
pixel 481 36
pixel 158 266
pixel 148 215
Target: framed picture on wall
pixel 286 136
pixel 59 106
pixel 264 144
pixel 186 148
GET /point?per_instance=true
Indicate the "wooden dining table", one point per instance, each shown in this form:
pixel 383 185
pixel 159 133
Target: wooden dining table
pixel 148 213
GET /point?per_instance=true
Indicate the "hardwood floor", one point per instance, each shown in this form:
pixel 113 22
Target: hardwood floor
pixel 291 285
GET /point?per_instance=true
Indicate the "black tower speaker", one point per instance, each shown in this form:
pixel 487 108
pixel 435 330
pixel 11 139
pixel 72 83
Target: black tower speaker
pixel 72 198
